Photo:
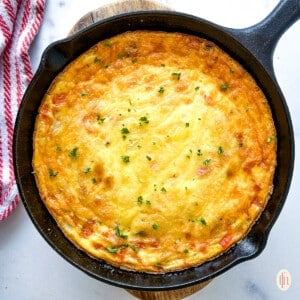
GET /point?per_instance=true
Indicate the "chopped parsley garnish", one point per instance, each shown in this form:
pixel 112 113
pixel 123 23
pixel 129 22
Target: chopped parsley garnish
pixel 52 173
pixel 144 120
pixel 124 132
pixel 163 189
pixel 186 251
pixel 73 152
pixel 197 88
pixel 199 153
pixel 203 222
pixel 97 59
pixel 140 200
pixel 148 157
pixel 94 180
pixel 112 249
pixel 162 65
pixel 270 139
pixel 134 60
pixel 161 90
pixel 176 75
pixel 58 149
pixel 187 124
pixel 134 249
pixel 124 55
pixel 125 158
pixel 119 233
pixel 107 43
pixel 100 119
pixel 220 150
pixel 224 86
pixel 87 170
pixel 200 220
pixel 155 226
pixel 83 93
pixel 207 161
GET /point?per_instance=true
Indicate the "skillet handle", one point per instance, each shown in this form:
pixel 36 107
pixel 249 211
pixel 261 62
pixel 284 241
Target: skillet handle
pixel 261 39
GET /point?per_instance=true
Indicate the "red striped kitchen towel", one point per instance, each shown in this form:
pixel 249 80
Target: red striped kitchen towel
pixel 19 23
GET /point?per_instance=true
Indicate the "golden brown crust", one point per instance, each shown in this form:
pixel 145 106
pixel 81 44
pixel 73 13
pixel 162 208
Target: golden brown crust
pixel 154 151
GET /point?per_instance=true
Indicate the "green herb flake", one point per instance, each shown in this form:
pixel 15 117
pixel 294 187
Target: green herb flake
pixel 148 202
pixel 73 153
pixel 224 86
pixel 100 119
pixel 144 120
pixel 134 249
pixel 125 158
pixel 58 149
pixel 94 180
pixel 52 174
pixel 97 59
pixel 270 139
pixel 148 157
pixel 162 65
pixel 207 161
pixel 155 226
pixel 87 170
pixel 199 153
pixel 163 189
pixel 83 93
pixel 134 60
pixel 187 124
pixel 186 251
pixel 119 233
pixel 161 90
pixel 112 249
pixel 140 200
pixel 176 75
pixel 202 221
pixel 122 247
pixel 197 88
pixel 220 150
pixel 124 55
pixel 124 132
pixel 107 43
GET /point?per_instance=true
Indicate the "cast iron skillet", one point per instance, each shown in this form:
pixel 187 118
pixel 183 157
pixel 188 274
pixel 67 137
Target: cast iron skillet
pixel 252 47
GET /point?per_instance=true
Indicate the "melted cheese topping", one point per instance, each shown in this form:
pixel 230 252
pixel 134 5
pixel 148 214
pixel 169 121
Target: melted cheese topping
pixel 154 151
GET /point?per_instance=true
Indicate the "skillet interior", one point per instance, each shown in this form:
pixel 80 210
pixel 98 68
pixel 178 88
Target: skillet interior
pixel 56 57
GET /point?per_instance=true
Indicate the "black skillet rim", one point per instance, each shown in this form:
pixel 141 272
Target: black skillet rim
pixel 58 54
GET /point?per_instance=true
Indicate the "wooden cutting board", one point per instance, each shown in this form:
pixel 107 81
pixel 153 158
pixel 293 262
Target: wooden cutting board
pixel 114 8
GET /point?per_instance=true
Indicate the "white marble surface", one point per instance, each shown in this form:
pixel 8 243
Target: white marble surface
pixel 30 269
